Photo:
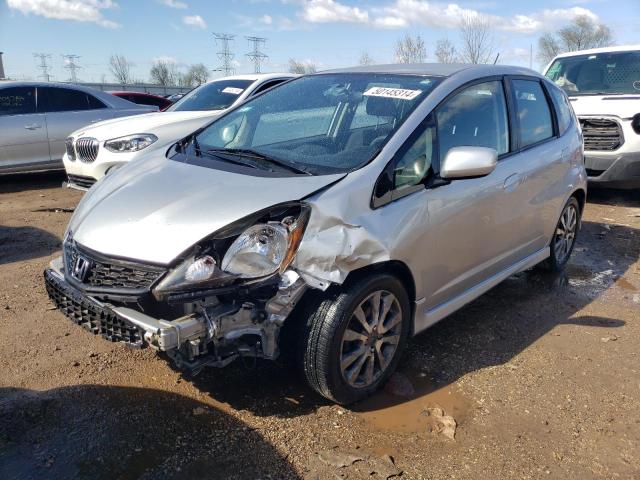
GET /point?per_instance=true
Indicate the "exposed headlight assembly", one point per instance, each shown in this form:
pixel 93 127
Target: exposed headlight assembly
pixel 130 143
pixel 254 248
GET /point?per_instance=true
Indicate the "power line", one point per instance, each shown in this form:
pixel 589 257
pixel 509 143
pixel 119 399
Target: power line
pixel 256 55
pixel 43 66
pixel 70 64
pixel 225 54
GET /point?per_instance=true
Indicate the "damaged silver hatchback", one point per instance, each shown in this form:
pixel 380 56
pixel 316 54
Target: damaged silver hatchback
pixel 328 220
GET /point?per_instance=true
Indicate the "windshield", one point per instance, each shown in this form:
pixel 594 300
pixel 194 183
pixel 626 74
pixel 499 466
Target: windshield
pixel 321 123
pixel 601 73
pixel 215 95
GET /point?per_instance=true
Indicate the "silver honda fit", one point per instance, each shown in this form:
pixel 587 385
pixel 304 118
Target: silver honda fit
pixel 330 218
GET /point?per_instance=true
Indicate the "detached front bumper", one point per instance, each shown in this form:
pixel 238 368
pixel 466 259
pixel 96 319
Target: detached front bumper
pixel 214 334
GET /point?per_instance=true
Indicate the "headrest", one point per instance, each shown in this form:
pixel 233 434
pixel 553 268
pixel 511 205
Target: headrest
pixel 382 106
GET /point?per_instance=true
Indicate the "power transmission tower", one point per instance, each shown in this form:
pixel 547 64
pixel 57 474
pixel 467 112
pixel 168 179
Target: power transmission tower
pixel 256 55
pixel 225 54
pixel 70 64
pixel 43 66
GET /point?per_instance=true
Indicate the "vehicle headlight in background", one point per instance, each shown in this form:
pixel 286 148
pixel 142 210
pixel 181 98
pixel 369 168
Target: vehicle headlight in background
pixel 130 143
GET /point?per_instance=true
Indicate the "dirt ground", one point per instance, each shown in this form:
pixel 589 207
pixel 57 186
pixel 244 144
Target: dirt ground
pixel 541 377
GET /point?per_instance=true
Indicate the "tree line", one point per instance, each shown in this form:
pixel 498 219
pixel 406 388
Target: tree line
pixel 475 44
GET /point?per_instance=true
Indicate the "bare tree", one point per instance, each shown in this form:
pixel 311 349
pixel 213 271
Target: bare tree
pixel 297 66
pixel 120 68
pixel 476 39
pixel 446 51
pixel 580 34
pixel 164 73
pixel 366 59
pixel 196 75
pixel 410 50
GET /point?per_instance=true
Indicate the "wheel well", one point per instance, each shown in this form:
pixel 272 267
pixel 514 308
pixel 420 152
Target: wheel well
pixel 581 196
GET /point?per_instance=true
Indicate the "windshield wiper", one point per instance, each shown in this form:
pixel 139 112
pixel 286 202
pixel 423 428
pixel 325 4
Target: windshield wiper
pixel 249 153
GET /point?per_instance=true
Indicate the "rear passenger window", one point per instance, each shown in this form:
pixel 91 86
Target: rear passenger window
pixel 563 107
pixel 477 117
pixel 533 112
pixel 65 100
pixel 17 101
pixel 94 103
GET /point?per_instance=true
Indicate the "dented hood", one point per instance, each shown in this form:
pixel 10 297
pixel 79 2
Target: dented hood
pixel 154 209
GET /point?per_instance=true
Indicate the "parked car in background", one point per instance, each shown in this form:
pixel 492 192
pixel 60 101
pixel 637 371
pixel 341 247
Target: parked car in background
pixel 96 150
pixel 142 98
pixel 603 86
pixel 175 97
pixel 329 219
pixel 37 118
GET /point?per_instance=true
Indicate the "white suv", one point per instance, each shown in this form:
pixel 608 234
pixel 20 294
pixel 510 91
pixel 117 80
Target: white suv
pixel 603 86
pixel 95 150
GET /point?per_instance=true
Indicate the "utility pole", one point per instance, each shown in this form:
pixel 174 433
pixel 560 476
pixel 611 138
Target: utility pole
pixel 225 54
pixel 256 55
pixel 43 66
pixel 2 77
pixel 70 64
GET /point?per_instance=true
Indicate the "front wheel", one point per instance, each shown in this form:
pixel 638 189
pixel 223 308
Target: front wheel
pixel 354 339
pixel 564 237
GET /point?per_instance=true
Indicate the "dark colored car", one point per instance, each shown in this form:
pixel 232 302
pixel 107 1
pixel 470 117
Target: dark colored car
pixel 144 99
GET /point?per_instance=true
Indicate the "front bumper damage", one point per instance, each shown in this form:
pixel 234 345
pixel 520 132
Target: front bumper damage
pixel 212 331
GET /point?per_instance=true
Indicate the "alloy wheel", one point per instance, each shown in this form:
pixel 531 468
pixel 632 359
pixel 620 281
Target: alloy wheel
pixel 371 339
pixel 565 233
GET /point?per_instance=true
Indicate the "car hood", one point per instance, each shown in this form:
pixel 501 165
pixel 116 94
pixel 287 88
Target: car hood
pixel 145 123
pixel 154 209
pixel 622 106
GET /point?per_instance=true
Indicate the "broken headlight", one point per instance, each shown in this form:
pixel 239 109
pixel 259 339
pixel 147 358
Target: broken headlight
pixel 254 248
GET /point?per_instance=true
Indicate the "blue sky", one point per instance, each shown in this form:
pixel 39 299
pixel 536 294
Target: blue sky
pixel 329 33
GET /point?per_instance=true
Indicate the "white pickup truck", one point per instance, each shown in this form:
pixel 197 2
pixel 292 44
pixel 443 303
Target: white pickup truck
pixel 603 86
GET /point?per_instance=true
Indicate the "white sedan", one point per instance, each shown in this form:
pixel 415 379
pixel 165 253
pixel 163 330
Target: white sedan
pixel 95 150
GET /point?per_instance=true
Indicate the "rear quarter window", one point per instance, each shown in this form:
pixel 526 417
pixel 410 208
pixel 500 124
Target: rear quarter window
pixel 563 108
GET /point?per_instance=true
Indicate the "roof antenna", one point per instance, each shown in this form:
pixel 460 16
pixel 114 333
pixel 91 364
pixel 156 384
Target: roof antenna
pixel 496 60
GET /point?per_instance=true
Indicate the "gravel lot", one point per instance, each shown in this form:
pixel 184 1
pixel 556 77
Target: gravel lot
pixel 541 375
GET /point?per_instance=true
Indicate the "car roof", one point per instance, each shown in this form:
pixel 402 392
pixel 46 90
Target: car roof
pixel 255 76
pixel 436 69
pixel 621 48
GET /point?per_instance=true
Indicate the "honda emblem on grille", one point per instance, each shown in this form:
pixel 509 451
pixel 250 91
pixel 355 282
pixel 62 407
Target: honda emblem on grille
pixel 80 268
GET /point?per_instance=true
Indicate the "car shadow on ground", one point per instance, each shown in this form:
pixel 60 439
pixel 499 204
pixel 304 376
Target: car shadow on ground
pixel 606 196
pixel 18 182
pixel 18 244
pixel 107 432
pixel 489 331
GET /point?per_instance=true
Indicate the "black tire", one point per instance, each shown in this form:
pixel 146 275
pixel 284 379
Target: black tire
pixel 558 260
pixel 322 347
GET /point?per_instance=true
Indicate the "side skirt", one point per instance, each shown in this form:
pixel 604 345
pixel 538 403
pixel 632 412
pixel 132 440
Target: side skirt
pixel 428 317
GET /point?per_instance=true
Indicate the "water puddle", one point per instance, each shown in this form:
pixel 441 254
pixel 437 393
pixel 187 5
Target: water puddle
pixel 385 411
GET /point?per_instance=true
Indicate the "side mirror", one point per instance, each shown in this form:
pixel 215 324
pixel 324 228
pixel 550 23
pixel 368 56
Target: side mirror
pixel 468 162
pixel 229 133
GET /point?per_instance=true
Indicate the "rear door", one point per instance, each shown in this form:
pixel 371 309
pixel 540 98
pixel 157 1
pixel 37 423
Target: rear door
pixel 23 131
pixel 67 110
pixel 539 166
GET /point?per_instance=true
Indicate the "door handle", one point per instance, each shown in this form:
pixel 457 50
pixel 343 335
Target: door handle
pixel 512 182
pixel 33 126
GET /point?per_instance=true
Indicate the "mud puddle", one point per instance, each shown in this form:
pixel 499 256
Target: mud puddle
pixel 414 413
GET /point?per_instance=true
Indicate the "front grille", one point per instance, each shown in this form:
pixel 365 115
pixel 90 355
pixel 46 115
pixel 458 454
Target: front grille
pixel 90 315
pixel 82 181
pixel 110 273
pixel 601 134
pixel 71 153
pixel 87 149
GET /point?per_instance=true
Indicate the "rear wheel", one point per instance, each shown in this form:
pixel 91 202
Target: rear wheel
pixel 564 237
pixel 354 339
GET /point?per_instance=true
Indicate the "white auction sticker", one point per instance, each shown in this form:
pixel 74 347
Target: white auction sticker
pixel 400 93
pixel 233 90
